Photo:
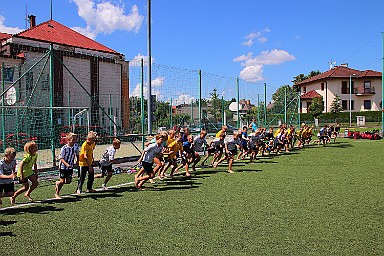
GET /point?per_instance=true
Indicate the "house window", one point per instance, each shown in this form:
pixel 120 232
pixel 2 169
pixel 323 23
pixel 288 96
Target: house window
pixel 322 86
pixel 367 104
pixel 367 86
pixel 304 89
pixel 352 105
pixel 344 104
pixel 344 87
pixel 8 75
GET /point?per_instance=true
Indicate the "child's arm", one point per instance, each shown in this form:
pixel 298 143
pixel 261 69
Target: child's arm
pixel 65 163
pixel 22 170
pixel 35 169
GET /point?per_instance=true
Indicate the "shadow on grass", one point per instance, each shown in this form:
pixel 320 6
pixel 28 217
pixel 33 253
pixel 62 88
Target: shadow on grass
pixel 37 209
pixel 6 234
pixel 100 194
pixel 248 170
pixel 7 222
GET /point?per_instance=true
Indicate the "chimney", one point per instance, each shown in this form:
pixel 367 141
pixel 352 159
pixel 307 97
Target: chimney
pixel 249 102
pixel 32 21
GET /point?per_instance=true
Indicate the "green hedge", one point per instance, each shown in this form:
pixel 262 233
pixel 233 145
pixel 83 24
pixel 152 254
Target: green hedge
pixel 370 116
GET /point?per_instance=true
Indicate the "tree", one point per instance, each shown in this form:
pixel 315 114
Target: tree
pixel 299 78
pixel 279 99
pixel 215 108
pixel 335 105
pixel 317 107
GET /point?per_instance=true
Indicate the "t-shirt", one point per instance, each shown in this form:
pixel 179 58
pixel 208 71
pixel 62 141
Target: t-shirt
pixel 232 143
pixel 7 169
pixel 254 126
pixel 151 152
pixel 108 156
pixel 68 154
pixel 219 133
pixel 198 143
pixel 175 147
pixel 28 162
pixel 188 147
pixel 87 150
pixel 216 143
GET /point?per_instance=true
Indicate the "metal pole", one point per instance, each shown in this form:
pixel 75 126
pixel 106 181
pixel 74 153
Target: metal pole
pixel 285 104
pixel 350 100
pixel 299 108
pixel 265 105
pixel 2 104
pixel 192 113
pixel 69 110
pixel 110 114
pixel 222 110
pixel 149 70
pixel 142 104
pixel 258 110
pixel 51 96
pixel 238 102
pixel 170 123
pixel 200 84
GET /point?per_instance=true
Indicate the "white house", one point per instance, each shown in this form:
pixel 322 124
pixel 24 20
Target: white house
pixel 365 94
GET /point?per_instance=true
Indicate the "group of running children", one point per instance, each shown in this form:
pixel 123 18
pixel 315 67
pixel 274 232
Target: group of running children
pixel 167 150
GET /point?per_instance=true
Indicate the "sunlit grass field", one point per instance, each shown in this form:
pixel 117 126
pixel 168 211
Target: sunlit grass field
pixel 316 201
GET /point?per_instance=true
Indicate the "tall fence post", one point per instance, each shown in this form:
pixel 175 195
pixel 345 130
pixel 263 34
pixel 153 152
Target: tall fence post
pixel 265 105
pixel 171 112
pixel 299 108
pixel 238 102
pixel 285 104
pixel 51 97
pixel 142 104
pixel 258 110
pixel 200 85
pixel 222 110
pixel 2 104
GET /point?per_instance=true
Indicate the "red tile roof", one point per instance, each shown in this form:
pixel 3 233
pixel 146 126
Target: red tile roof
pixel 341 72
pixel 310 95
pixel 4 36
pixel 53 32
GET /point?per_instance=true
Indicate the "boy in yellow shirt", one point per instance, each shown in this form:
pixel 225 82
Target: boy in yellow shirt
pixel 86 163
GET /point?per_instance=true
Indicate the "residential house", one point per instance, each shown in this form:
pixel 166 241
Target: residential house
pixel 365 94
pixel 79 62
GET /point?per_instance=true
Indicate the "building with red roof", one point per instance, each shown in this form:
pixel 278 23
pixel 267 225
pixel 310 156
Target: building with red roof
pixel 365 94
pixel 101 71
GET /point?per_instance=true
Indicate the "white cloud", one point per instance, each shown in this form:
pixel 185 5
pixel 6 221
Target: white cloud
pixel 8 30
pixel 86 32
pixel 260 35
pixel 252 73
pixel 243 57
pixel 106 17
pixel 253 70
pixel 158 82
pixel 136 61
pixel 273 57
pixel 184 98
pixel 248 43
pixel 262 39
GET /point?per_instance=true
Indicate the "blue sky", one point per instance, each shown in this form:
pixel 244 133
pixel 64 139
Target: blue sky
pixel 260 41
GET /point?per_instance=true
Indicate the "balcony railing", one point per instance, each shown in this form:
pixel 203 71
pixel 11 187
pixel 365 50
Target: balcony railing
pixel 364 91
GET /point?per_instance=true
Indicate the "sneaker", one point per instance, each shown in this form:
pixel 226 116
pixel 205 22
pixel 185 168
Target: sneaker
pixel 91 191
pixel 104 187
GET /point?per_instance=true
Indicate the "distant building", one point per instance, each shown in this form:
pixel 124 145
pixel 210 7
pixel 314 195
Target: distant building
pixel 366 89
pixel 102 71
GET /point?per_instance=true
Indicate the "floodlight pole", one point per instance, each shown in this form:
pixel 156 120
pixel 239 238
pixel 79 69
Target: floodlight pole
pixel 51 103
pixel 149 103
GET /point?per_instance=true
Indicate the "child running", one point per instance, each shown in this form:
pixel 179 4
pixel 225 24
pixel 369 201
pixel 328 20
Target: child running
pixel 27 171
pixel 231 147
pixel 216 148
pixel 86 163
pixel 7 174
pixel 106 162
pixel 150 152
pixel 67 161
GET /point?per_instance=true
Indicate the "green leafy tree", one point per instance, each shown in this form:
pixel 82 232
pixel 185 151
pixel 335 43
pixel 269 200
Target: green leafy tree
pixel 317 107
pixel 215 105
pixel 336 105
pixel 279 99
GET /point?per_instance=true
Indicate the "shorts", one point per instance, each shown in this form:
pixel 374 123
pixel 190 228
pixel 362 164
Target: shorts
pixel 106 169
pixel 66 173
pixel 232 152
pixel 25 180
pixel 148 167
pixel 6 188
pixel 200 153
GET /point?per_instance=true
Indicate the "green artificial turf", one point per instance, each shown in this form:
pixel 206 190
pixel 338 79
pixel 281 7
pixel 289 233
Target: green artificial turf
pixel 316 201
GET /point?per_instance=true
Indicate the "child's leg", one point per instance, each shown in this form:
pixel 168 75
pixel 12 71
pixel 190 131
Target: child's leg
pixel 230 164
pixel 91 178
pixel 59 185
pixel 108 177
pixel 205 158
pixel 25 187
pixel 197 159
pixel 34 184
pixel 82 173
